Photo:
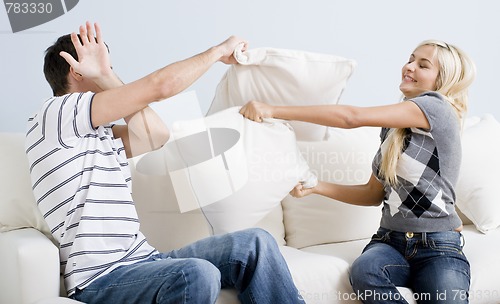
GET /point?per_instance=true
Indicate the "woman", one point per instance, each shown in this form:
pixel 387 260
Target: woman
pixel 418 244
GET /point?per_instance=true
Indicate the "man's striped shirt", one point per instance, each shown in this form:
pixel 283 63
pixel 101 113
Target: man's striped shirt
pixel 82 185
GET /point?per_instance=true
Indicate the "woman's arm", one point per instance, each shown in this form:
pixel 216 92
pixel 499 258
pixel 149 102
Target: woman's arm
pixel 369 194
pixel 405 114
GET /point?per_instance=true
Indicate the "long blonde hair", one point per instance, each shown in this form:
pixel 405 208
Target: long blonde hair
pixel 456 73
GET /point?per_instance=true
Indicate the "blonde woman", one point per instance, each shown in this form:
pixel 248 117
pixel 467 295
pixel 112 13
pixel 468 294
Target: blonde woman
pixel 418 244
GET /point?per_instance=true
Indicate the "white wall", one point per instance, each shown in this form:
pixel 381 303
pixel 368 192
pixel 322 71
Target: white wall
pixel 145 35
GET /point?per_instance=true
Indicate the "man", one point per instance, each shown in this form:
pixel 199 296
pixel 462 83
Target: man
pixel 81 181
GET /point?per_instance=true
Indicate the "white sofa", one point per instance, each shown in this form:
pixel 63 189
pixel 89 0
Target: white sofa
pixel 319 238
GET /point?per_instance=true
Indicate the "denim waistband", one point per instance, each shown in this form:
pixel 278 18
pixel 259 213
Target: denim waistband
pixel 423 236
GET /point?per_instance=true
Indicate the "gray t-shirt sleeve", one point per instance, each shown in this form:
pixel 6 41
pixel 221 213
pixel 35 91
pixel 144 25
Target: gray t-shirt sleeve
pixel 439 113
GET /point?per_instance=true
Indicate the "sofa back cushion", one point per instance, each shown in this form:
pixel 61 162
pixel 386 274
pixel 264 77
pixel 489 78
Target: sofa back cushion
pixel 17 202
pixel 346 159
pixel 477 195
pixel 285 77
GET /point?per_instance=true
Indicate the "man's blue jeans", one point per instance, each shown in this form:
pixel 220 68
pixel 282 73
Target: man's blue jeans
pixel 248 260
pixel 432 264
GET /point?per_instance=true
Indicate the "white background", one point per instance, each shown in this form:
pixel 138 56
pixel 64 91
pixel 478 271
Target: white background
pixel 146 35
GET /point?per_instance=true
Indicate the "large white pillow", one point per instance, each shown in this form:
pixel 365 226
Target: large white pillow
pixel 17 202
pixel 346 159
pixel 164 225
pixel 285 77
pixel 236 170
pixel 477 187
pixel 154 197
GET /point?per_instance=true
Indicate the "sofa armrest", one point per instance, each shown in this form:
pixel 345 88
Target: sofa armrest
pixel 29 264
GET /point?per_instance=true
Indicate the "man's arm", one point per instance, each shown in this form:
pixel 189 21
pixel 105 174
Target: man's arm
pixel 122 101
pixel 145 130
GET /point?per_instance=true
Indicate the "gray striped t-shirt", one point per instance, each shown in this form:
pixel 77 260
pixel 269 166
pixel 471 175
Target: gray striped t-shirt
pixel 82 185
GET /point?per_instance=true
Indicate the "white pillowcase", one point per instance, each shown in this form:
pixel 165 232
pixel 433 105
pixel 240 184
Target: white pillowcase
pixel 154 197
pixel 285 77
pixel 17 203
pixel 345 158
pixel 479 179
pixel 240 186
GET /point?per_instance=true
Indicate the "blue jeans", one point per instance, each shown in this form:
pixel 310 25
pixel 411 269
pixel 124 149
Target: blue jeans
pixel 248 260
pixel 432 264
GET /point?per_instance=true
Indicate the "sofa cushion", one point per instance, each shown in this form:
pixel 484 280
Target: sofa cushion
pixel 345 158
pixel 477 195
pixel 319 278
pixel 238 180
pixel 481 251
pixel 321 273
pixel 17 202
pixel 30 267
pixel 284 77
pixel 348 252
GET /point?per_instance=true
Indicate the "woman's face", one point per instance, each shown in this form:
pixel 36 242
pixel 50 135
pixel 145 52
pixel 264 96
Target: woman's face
pixel 419 74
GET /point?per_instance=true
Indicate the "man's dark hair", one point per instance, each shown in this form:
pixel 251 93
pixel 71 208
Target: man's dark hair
pixel 55 67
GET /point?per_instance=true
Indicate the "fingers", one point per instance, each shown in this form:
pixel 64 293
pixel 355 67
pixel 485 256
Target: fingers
pixel 76 42
pixel 256 111
pixel 228 47
pixel 249 111
pixel 85 44
pixel 98 33
pixel 69 59
pixel 83 35
pixel 234 41
pixel 90 32
pixel 87 33
pixel 244 45
pixel 297 191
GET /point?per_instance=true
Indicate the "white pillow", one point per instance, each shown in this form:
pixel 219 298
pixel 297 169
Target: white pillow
pixel 17 202
pixel 285 77
pixel 477 187
pixel 154 197
pixel 239 178
pixel 165 226
pixel 346 159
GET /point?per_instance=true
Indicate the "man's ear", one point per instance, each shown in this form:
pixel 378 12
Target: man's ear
pixel 77 76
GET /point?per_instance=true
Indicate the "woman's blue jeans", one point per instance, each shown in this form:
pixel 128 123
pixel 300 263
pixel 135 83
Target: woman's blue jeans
pixel 248 260
pixel 432 264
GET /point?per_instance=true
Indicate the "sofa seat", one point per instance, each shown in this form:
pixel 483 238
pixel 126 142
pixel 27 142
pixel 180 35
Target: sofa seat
pixel 485 266
pixel 321 272
pixel 319 238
